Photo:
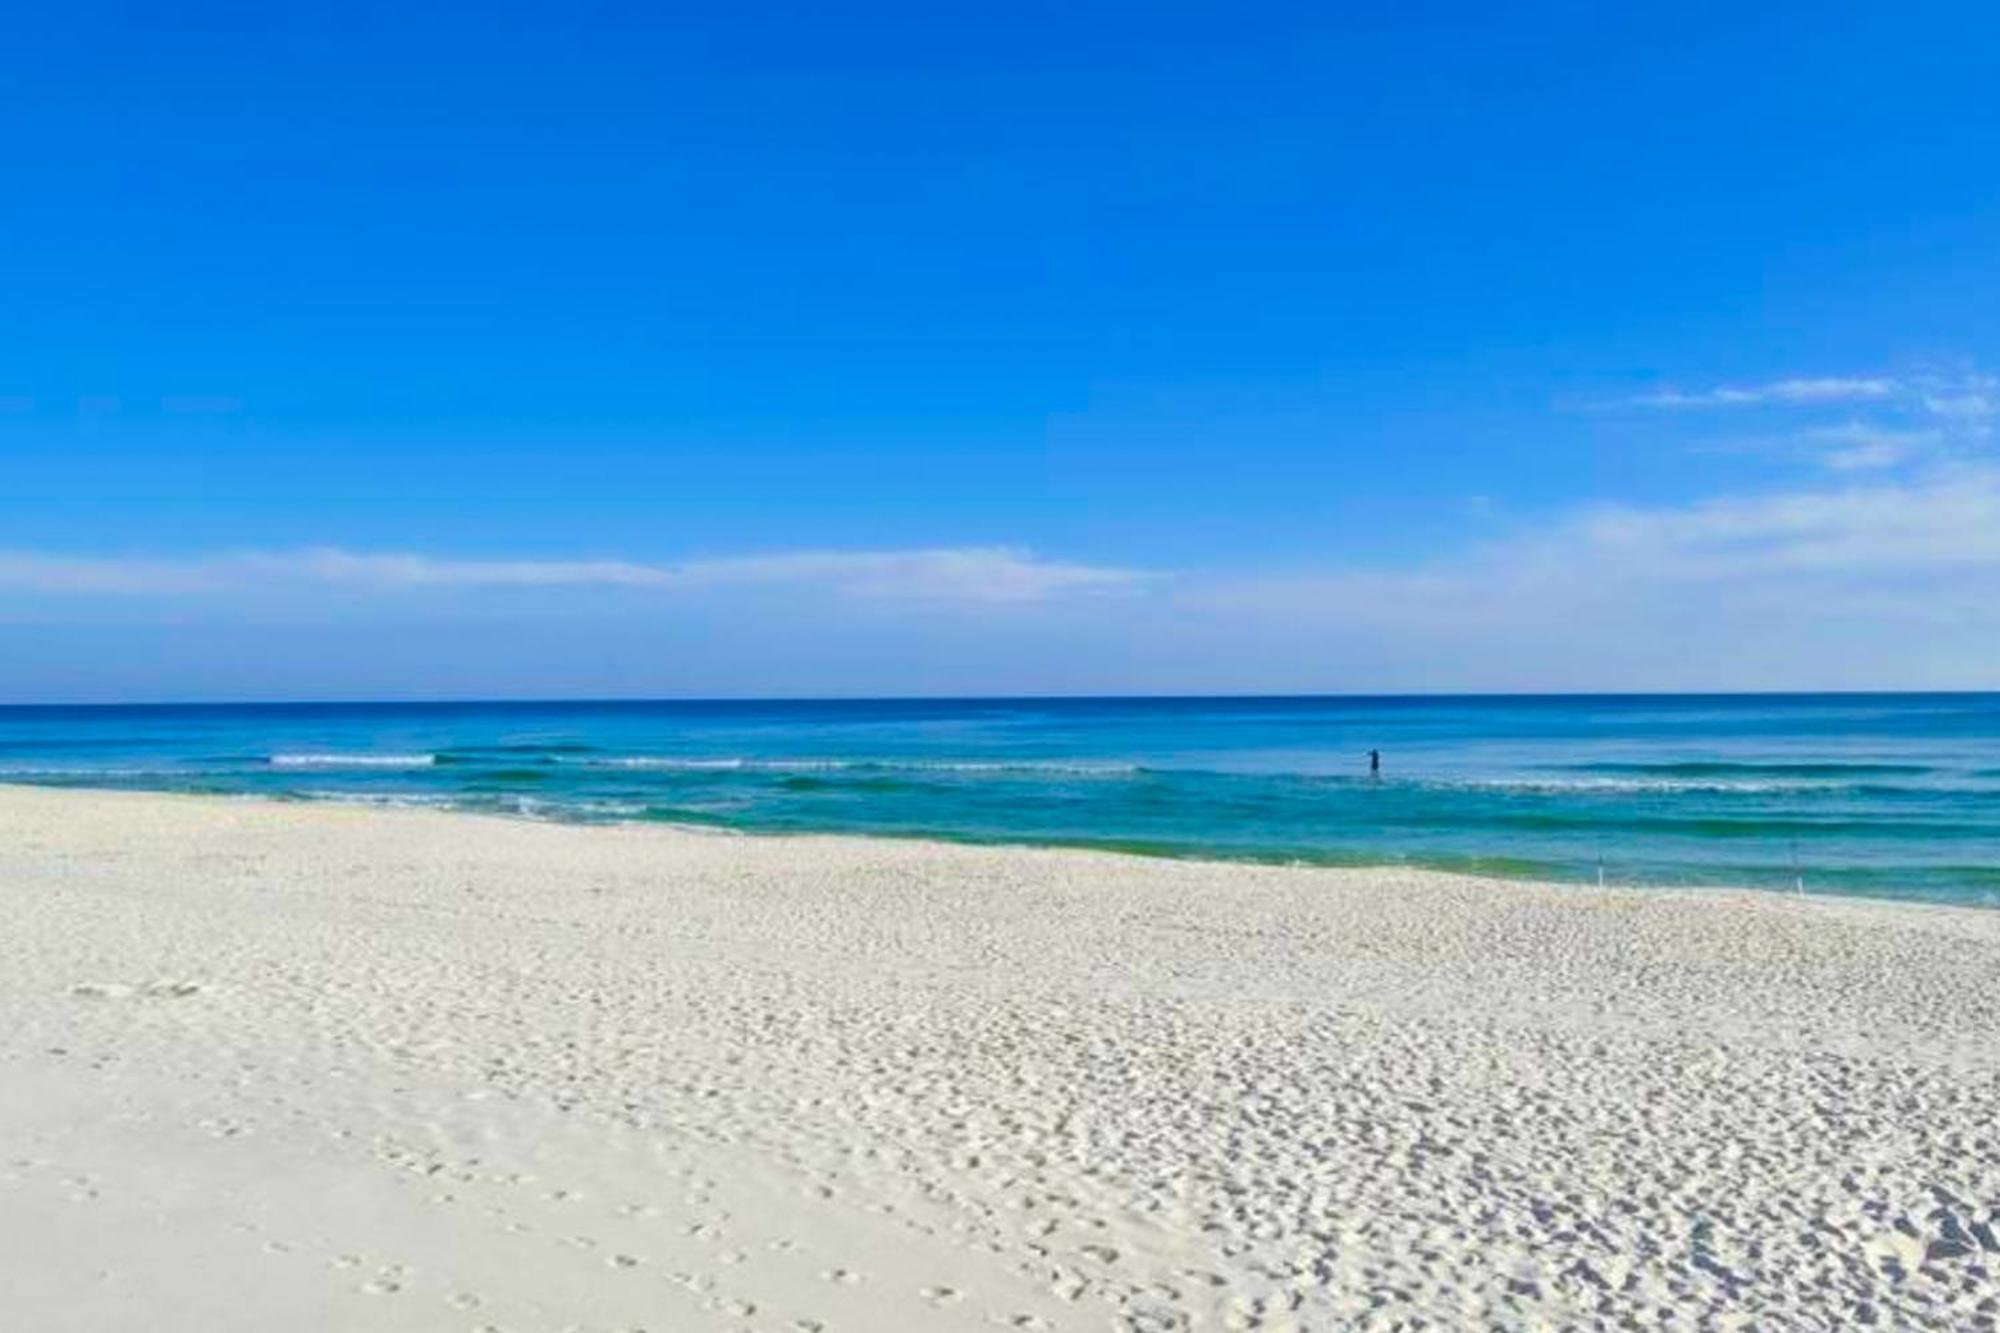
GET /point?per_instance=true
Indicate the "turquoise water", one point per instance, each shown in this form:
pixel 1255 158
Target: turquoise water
pixel 1878 794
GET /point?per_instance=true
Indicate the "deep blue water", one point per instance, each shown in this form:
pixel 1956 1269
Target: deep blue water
pixel 1879 794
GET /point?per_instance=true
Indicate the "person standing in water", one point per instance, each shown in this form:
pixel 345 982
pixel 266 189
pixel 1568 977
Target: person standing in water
pixel 1374 763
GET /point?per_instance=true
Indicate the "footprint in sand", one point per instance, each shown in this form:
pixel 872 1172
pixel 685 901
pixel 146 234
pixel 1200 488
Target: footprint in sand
pixel 118 990
pixel 388 1280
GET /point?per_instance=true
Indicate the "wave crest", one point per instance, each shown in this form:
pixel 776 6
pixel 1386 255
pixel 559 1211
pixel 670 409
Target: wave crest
pixel 335 759
pixel 1047 768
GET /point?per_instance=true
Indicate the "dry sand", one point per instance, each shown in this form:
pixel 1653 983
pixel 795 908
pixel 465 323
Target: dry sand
pixel 301 1067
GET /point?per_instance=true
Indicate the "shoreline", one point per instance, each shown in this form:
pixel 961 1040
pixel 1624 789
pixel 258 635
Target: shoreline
pixel 316 1065
pixel 1114 848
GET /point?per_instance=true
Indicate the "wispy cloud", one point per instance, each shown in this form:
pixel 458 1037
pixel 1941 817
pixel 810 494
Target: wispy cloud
pixel 1883 584
pixel 1957 396
pixel 1860 562
pixel 1858 446
pixel 967 574
pixel 1888 530
pixel 1875 580
pixel 1972 398
pixel 1879 573
pixel 1792 392
pixel 1890 420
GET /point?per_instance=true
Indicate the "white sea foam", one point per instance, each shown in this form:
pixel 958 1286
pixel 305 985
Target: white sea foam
pixel 331 759
pixel 1050 767
pixel 535 807
pixel 390 800
pixel 1056 767
pixel 1634 786
pixel 664 762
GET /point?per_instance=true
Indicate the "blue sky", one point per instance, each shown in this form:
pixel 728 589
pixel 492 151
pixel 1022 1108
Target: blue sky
pixel 942 349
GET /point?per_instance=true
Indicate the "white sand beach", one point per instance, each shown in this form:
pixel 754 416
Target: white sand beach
pixel 304 1066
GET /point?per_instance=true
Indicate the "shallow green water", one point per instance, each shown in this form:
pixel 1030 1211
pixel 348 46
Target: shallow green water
pixel 1879 794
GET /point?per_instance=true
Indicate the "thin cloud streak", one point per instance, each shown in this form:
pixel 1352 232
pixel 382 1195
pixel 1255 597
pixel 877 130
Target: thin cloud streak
pixel 968 574
pixel 1893 421
pixel 1788 392
pixel 1961 395
pixel 1859 446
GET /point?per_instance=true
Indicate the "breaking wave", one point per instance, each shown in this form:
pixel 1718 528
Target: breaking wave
pixel 333 759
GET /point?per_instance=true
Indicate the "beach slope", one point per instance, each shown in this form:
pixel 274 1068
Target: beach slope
pixel 309 1066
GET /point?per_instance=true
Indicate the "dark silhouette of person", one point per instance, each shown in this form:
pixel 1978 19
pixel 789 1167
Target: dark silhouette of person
pixel 1374 763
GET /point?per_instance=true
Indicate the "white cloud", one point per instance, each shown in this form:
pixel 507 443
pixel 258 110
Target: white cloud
pixel 969 574
pixel 1961 395
pixel 1856 446
pixel 1948 522
pixel 1872 579
pixel 1893 420
pixel 1973 400
pixel 1892 584
pixel 1787 392
pixel 990 574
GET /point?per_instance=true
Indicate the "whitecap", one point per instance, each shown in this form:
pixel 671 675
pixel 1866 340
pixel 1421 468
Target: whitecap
pixel 360 760
pixel 1047 767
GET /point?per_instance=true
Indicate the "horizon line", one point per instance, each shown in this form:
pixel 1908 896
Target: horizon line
pixel 1142 697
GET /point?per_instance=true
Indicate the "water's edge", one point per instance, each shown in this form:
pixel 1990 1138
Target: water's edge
pixel 1877 796
pixel 1498 872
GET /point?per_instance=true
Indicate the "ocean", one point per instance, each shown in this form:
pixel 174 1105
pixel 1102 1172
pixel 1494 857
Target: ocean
pixel 1885 795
